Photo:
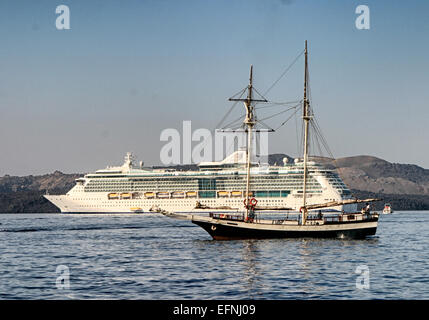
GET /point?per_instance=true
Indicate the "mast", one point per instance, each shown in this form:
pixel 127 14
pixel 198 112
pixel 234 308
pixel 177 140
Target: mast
pixel 306 117
pixel 250 122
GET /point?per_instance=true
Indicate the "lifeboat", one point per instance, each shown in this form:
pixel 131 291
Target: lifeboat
pixel 178 194
pixel 125 195
pixel 223 194
pixel 113 196
pixel 163 195
pixel 236 194
pixel 191 194
pixel 149 195
pixel 136 209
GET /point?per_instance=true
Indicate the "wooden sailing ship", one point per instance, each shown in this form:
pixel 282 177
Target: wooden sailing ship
pixel 310 223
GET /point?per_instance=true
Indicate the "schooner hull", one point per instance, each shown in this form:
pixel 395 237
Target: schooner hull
pixel 223 231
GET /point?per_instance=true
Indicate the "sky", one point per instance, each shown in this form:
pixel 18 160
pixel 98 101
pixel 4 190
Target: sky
pixel 77 100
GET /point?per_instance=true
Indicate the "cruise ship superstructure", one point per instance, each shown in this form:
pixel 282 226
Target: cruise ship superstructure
pixel 219 185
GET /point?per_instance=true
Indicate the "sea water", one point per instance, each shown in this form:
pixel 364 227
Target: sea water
pixel 144 256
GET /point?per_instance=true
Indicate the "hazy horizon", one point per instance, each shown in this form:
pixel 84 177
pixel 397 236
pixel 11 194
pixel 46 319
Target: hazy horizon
pixel 77 100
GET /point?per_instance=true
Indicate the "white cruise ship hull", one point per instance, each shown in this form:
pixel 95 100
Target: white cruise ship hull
pixel 87 203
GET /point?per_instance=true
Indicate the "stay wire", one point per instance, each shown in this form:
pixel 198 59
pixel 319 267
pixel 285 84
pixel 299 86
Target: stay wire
pixel 284 72
pixel 284 122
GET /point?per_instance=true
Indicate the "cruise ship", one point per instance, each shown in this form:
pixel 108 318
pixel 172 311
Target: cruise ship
pixel 221 186
pixel 227 186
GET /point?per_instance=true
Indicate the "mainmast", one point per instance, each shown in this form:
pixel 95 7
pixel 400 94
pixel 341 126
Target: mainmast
pixel 306 117
pixel 249 122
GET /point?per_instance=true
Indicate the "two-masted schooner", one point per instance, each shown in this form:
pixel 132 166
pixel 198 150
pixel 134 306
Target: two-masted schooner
pixel 309 222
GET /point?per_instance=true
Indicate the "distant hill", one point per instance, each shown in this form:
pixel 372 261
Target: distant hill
pixel 379 176
pixel 405 186
pixel 47 182
pixel 25 194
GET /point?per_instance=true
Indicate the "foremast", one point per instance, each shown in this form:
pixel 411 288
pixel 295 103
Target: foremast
pixel 249 123
pixel 306 118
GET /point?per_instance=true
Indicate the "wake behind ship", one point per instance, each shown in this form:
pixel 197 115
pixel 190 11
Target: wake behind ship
pixel 218 185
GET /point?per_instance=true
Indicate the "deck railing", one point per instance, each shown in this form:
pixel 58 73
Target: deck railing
pixel 223 216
